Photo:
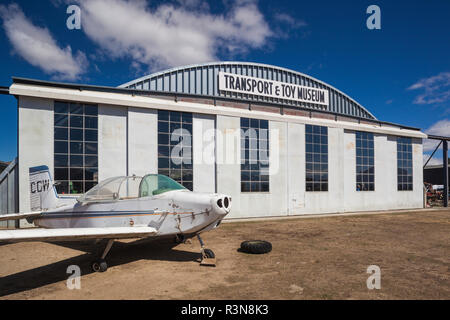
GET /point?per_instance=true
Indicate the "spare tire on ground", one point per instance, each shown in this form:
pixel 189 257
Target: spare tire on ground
pixel 256 246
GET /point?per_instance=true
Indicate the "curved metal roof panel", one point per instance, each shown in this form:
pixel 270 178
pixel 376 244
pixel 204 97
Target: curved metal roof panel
pixel 202 80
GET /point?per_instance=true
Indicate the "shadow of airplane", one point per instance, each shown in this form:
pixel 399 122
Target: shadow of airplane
pixel 121 253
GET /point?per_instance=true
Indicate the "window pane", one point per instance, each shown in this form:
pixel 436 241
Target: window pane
pixel 76 134
pixel 186 117
pixel 76 187
pixel 90 148
pixel 61 107
pixel 61 160
pixel 90 109
pixel 76 174
pixel 188 185
pixel 76 121
pixel 187 175
pixel 163 139
pixel 76 161
pixel 61 147
pixel 61 134
pixel 61 174
pixel 245 123
pixel 163 115
pixel 163 163
pixel 91 174
pixel 163 151
pixel 163 126
pixel 62 187
pixel 76 108
pixel 89 185
pixel 76 148
pixel 91 161
pixel 90 135
pixel 61 120
pixel 175 116
pixel 245 186
pixel 91 122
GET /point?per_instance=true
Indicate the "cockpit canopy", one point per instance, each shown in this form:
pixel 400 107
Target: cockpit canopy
pixel 122 188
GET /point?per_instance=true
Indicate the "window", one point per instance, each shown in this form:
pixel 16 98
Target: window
pixel 316 158
pixel 365 162
pixel 175 146
pixel 254 155
pixel 404 164
pixel 75 147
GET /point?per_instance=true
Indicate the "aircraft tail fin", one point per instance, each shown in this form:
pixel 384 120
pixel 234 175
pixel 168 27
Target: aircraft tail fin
pixel 43 193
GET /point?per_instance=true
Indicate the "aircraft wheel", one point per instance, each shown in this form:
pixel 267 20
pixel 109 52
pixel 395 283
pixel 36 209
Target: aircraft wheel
pixel 209 253
pixel 99 266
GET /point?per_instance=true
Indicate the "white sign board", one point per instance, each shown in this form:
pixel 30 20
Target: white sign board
pixel 262 87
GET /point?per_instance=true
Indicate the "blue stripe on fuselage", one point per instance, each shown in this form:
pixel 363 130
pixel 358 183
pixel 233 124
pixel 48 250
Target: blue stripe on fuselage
pixel 93 214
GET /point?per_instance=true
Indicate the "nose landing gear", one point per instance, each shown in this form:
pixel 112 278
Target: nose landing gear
pixel 100 265
pixel 208 256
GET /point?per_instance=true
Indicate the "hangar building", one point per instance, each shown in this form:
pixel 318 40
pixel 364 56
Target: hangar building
pixel 277 141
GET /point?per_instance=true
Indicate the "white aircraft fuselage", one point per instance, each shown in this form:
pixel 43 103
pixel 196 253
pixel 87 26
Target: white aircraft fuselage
pixel 170 213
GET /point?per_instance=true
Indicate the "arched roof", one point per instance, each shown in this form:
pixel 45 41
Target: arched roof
pixel 202 80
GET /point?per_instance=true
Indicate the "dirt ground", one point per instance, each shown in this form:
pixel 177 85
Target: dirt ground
pixel 316 258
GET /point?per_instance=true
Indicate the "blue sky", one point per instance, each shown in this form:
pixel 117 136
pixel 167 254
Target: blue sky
pixel 401 73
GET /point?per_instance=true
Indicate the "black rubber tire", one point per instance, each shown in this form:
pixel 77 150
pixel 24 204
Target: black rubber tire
pixel 209 253
pixel 99 266
pixel 256 246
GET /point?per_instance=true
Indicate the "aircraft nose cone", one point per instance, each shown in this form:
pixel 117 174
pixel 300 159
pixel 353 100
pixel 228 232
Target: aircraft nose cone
pixel 221 204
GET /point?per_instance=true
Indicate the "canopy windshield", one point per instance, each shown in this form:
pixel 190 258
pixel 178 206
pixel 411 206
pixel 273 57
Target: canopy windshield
pixel 154 184
pixel 122 188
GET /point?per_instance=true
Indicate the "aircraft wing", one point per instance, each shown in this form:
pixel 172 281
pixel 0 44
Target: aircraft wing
pixel 17 216
pixel 75 234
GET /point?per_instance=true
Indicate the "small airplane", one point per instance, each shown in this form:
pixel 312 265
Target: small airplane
pixel 118 208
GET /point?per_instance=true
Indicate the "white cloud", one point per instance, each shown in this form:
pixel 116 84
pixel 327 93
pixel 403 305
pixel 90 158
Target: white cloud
pixel 289 20
pixel 440 128
pixel 172 35
pixel 432 162
pixel 37 46
pixel 436 89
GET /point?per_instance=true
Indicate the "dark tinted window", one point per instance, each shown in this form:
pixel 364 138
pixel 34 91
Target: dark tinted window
pixel 404 164
pixel 254 155
pixel 365 161
pixel 175 146
pixel 76 150
pixel 316 154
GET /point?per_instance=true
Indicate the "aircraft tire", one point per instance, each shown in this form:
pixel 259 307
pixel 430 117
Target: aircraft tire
pixel 256 246
pixel 209 253
pixel 99 266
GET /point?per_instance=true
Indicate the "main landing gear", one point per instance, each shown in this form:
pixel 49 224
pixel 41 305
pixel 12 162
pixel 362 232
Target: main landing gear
pixel 100 265
pixel 208 256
